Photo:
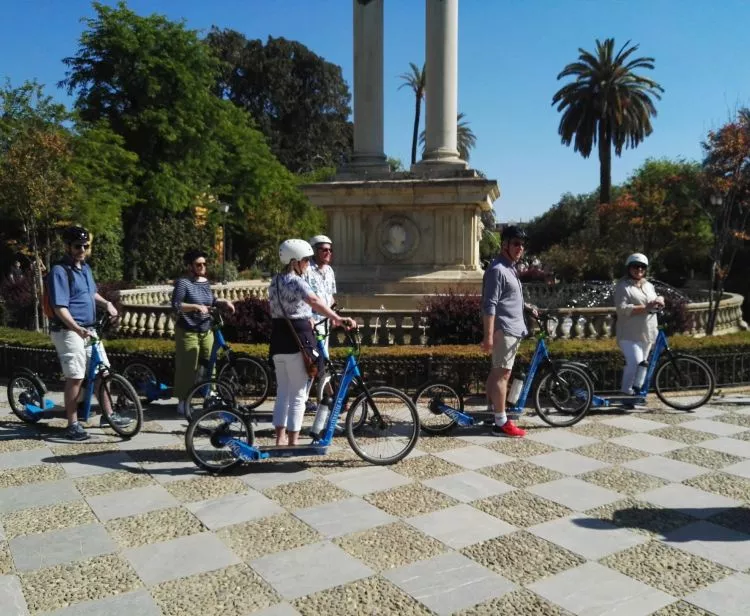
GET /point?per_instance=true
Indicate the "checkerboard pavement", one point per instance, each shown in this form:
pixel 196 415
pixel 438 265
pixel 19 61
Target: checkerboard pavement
pixel 642 513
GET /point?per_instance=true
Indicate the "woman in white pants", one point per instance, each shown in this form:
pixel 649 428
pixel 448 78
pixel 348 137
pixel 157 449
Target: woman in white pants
pixel 636 302
pixel 292 302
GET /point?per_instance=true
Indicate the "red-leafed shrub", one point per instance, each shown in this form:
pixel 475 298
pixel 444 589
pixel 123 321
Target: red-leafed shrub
pixel 453 318
pixel 17 298
pixel 250 323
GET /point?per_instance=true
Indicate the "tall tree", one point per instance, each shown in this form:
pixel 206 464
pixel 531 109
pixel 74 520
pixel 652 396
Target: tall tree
pixel 415 79
pixel 727 169
pixel 465 138
pixel 153 82
pixel 298 100
pixel 607 104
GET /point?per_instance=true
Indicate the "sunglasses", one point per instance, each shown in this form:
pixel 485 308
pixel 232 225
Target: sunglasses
pixel 517 244
pixel 326 250
pixel 81 246
pixel 639 267
pixel 201 264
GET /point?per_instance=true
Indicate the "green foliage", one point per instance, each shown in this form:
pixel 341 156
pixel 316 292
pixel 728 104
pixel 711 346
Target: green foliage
pixel 466 140
pixel 607 103
pixel 107 259
pixel 26 107
pixel 299 101
pixel 416 80
pixel 163 240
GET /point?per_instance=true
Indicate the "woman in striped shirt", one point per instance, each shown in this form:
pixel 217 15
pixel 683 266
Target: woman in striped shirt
pixel 191 299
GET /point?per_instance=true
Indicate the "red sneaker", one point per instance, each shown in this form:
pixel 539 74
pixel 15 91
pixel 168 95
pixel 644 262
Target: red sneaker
pixel 508 429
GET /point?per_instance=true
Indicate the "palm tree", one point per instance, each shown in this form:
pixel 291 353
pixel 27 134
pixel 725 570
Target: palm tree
pixel 416 81
pixel 607 104
pixel 466 140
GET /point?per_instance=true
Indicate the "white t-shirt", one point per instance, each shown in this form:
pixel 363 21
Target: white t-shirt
pixel 322 281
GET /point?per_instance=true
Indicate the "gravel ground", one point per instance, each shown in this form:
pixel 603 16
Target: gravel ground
pixel 520 448
pixel 6 561
pixel 683 435
pixel 277 533
pixel 730 486
pixel 703 457
pixel 106 483
pixel 69 452
pixel 666 568
pixel 30 474
pixel 734 418
pixel 522 557
pixel 306 493
pixel 520 473
pixel 666 416
pixel 426 467
pixel 742 436
pixel 21 444
pixel 389 546
pixel 610 452
pixel 435 444
pixel 598 430
pixel 517 603
pixel 522 508
pixel 623 480
pixel 736 518
pixel 56 587
pixel 45 519
pixel 371 596
pixel 154 526
pixel 205 488
pixel 641 517
pixel 410 500
pixel 234 591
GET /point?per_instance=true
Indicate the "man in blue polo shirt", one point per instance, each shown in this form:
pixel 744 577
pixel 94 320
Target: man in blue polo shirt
pixel 74 298
pixel 503 323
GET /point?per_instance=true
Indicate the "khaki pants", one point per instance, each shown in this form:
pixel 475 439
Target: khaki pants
pixel 191 348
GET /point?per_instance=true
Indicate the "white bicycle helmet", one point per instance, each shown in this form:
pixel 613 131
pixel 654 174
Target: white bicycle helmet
pixel 294 249
pixel 638 258
pixel 320 239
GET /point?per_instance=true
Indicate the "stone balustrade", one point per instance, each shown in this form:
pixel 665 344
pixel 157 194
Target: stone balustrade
pixel 146 312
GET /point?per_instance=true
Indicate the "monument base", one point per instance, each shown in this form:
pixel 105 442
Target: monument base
pixel 396 240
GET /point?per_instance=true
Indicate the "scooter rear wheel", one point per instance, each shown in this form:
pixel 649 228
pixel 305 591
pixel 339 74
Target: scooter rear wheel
pixel 25 389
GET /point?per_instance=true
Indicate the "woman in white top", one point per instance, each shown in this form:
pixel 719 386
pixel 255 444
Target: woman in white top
pixel 636 302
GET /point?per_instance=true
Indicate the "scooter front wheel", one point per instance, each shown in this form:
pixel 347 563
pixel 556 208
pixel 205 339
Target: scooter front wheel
pixel 428 400
pixel 25 389
pixel 207 435
pixel 564 396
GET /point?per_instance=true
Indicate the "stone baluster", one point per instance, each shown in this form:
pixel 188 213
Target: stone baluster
pixel 367 333
pixel 398 333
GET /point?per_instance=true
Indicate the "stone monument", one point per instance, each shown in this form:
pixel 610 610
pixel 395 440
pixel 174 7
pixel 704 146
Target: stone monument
pixel 400 236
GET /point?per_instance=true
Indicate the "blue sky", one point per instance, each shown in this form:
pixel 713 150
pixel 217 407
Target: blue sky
pixel 510 52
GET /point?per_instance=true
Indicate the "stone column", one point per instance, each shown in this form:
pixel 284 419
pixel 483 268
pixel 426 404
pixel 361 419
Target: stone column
pixel 368 155
pixel 441 86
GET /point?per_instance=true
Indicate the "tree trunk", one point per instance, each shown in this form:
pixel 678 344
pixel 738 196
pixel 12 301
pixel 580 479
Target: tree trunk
pixel 415 134
pixel 605 164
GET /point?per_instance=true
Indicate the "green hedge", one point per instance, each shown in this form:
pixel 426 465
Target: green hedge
pixel 739 342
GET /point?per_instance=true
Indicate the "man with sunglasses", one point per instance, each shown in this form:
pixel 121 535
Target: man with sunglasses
pixel 74 298
pixel 320 274
pixel 503 323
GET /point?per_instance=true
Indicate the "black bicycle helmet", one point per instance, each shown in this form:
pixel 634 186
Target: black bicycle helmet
pixel 75 234
pixel 193 254
pixel 512 232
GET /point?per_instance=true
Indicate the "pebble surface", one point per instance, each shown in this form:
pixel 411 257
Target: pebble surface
pixel 641 517
pixel 6 561
pixel 683 435
pixel 56 587
pixel 520 448
pixel 522 508
pixel 410 500
pixel 44 519
pixel 205 488
pixel 30 474
pixel 610 452
pixel 703 457
pixel 666 568
pixel 520 473
pixel 307 493
pixel 727 485
pixel 522 557
pixel 371 596
pixel 517 603
pixel 389 546
pixel 154 526
pixel 426 467
pixel 277 533
pixel 106 483
pixel 234 591
pixel 623 480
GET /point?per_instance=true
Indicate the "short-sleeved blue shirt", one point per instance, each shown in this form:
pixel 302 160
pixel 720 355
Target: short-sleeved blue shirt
pixel 291 292
pixel 78 298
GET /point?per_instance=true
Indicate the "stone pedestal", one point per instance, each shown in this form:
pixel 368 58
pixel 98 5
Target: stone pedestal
pixel 396 240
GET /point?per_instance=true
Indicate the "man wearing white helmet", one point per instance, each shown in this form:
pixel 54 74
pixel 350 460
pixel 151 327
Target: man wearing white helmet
pixel 636 303
pixel 320 274
pixel 292 303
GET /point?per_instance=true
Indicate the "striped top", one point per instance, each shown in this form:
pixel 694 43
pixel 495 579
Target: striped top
pixel 188 291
